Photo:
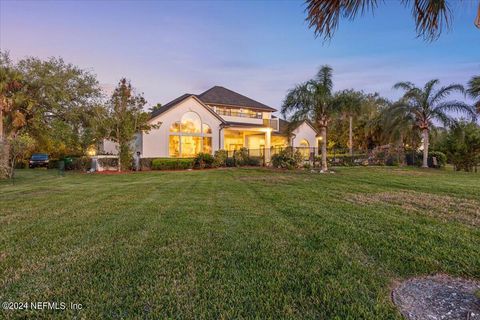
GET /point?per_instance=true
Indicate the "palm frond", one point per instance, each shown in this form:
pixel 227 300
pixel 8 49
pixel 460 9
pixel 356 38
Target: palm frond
pixel 324 15
pixel 474 87
pixel 297 102
pixel 443 117
pixel 404 85
pixel 455 106
pixel 428 88
pixel 444 92
pixel 324 77
pixel 431 17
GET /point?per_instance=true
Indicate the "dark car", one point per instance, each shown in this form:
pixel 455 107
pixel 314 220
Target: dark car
pixel 38 160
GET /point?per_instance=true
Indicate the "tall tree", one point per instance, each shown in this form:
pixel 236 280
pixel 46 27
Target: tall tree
pixel 349 102
pixel 431 16
pixel 462 145
pixel 474 90
pixel 125 117
pixel 313 101
pixel 428 104
pixel 12 100
pixel 53 101
pixel 64 103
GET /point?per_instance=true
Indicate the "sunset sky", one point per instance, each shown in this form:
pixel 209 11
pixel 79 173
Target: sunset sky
pixel 257 48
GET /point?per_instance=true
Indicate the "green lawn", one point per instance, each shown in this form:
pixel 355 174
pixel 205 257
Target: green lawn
pixel 233 243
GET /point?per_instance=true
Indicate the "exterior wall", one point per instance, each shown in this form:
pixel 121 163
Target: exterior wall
pixel 279 141
pixel 155 142
pixel 305 132
pixel 111 147
pixel 255 141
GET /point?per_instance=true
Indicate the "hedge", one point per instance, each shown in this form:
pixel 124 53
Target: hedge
pixel 172 163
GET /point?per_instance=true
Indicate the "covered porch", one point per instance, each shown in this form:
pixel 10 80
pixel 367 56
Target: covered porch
pixel 259 140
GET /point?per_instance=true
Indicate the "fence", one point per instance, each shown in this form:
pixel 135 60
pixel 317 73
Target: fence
pixel 338 156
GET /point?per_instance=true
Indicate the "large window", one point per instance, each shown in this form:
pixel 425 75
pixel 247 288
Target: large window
pixel 305 149
pixel 189 136
pixel 235 112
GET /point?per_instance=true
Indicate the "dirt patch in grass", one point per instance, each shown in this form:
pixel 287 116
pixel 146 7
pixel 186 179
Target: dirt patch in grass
pixel 443 207
pixel 437 297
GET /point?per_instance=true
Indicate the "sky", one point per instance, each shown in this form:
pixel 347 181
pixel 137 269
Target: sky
pixel 257 48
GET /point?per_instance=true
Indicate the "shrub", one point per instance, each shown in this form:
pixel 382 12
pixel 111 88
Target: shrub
pixel 172 164
pixel 80 163
pixel 254 161
pixel 146 163
pixel 203 160
pixel 108 162
pixel 241 157
pixel 53 164
pixel 220 158
pixel 338 160
pixel 230 162
pixel 287 159
pixel 440 156
pixel 22 164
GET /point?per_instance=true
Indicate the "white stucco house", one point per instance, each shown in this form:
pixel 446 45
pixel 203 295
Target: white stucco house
pixel 218 118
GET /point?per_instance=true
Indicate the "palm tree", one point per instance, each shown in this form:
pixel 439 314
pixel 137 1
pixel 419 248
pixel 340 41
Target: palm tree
pixel 427 105
pixel 313 101
pixel 399 127
pixel 431 16
pixel 474 90
pixel 350 103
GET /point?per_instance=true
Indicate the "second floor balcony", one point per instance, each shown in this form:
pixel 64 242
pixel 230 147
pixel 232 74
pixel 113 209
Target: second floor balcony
pixel 239 113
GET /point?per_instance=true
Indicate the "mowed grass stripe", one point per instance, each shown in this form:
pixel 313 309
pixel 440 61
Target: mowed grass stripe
pixel 229 243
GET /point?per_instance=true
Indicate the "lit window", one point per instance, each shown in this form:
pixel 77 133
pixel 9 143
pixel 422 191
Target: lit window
pixel 189 136
pixel 174 146
pixel 191 123
pixel 206 128
pixel 305 149
pixel 175 127
pixel 207 144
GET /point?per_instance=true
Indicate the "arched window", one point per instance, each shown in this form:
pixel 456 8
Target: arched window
pixel 206 128
pixel 305 149
pixel 191 123
pixel 189 136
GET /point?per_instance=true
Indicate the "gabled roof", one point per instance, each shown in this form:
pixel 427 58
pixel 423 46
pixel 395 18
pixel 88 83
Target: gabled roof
pixel 169 105
pixel 223 96
pixel 178 100
pixel 283 126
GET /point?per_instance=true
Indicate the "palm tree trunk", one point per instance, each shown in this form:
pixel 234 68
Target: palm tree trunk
pixel 323 135
pixel 1 122
pixel 350 135
pixel 425 148
pixel 4 159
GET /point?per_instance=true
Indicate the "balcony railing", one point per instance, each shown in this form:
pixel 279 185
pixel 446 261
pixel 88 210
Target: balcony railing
pixel 233 113
pixel 271 123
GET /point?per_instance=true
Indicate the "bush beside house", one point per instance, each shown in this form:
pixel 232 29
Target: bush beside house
pixel 172 163
pixel 287 159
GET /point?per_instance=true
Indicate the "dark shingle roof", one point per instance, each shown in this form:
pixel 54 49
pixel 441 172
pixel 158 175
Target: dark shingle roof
pixel 224 96
pixel 282 126
pixel 216 95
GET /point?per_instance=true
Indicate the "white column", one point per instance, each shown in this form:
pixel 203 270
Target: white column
pixel 268 142
pixel 221 139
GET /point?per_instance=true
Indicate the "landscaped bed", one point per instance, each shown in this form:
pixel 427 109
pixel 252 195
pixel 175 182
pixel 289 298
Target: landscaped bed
pixel 233 242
